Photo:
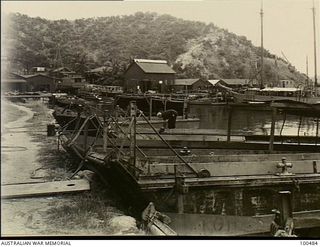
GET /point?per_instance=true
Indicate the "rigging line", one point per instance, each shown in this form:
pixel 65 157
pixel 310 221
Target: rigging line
pixel 95 139
pixel 122 131
pixel 79 130
pixel 63 128
pixel 169 146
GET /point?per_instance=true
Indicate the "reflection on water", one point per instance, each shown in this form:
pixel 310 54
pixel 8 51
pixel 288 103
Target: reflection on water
pixel 259 122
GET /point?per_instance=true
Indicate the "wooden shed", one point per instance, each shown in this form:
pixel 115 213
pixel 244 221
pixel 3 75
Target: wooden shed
pixel 145 75
pixel 191 85
pixel 40 82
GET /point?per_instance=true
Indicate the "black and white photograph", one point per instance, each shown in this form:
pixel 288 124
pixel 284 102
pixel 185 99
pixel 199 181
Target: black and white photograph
pixel 160 120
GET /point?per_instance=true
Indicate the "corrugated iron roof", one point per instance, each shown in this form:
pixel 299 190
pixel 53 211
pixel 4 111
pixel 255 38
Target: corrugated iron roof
pixel 236 81
pixel 34 75
pixel 214 82
pixel 154 66
pixel 185 82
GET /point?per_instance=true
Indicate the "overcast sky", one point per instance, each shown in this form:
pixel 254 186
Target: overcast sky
pixel 287 23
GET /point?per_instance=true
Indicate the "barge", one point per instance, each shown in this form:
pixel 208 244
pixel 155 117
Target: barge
pixel 212 180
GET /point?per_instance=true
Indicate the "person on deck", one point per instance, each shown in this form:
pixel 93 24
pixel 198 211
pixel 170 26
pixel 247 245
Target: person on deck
pixel 171 116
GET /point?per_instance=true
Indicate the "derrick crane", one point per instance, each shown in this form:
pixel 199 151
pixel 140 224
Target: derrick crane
pixel 290 67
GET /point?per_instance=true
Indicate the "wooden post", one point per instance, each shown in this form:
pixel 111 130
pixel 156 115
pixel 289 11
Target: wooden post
pixel 299 127
pixel 133 114
pixel 150 108
pixel 117 112
pixel 317 131
pixel 179 186
pixel 314 164
pixel 185 109
pixel 229 123
pixel 285 206
pixel 273 123
pixel 180 199
pixel 105 138
pixel 165 104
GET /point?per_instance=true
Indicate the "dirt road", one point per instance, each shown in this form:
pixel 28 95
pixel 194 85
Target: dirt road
pixel 18 150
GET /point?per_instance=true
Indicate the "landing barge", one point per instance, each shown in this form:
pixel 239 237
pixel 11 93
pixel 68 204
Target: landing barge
pixel 212 181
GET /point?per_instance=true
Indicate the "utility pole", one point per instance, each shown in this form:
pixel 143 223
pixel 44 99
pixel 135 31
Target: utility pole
pixel 262 65
pixel 315 48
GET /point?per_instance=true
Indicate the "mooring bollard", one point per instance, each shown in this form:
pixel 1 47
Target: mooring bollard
pixel 284 165
pixel 315 169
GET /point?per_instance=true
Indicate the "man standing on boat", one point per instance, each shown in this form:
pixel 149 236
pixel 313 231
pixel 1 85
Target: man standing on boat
pixel 171 116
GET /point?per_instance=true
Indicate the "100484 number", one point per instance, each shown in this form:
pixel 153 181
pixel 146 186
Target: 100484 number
pixel 309 243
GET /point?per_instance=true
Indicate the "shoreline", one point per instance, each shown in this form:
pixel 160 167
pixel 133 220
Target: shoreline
pixel 30 153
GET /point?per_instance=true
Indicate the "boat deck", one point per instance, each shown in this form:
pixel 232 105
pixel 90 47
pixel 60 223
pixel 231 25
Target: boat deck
pixel 249 170
pixel 232 181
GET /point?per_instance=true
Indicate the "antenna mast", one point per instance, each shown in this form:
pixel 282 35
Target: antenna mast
pixel 262 65
pixel 315 47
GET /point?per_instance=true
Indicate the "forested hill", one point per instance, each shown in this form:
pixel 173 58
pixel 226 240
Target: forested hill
pixel 193 48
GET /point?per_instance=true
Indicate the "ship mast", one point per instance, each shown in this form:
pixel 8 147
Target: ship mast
pixel 262 65
pixel 307 71
pixel 315 47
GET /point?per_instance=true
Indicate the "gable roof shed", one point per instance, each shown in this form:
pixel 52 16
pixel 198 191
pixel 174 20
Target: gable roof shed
pixel 154 66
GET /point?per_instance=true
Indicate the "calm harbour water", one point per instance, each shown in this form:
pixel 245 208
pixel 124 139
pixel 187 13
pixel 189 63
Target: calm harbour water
pixel 257 121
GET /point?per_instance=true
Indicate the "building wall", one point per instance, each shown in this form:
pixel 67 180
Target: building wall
pixel 135 76
pixel 41 83
pixel 201 85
